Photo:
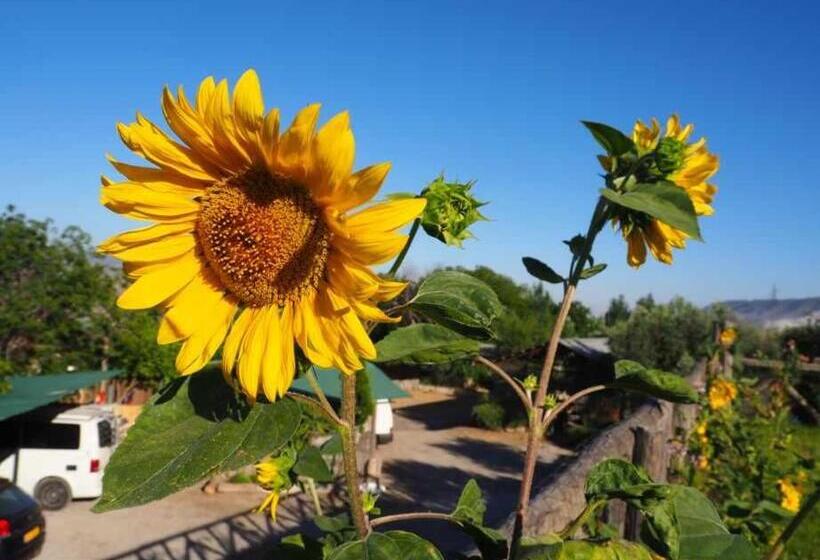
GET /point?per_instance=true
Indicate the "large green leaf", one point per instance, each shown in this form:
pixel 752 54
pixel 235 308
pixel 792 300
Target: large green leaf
pixel 424 343
pixel 665 201
pixel 615 142
pixel 585 550
pixel 632 376
pixel 469 513
pixel 459 302
pixel 392 545
pixel 610 478
pixel 197 427
pixel 686 526
pixel 541 270
pixel 311 464
pixel 298 547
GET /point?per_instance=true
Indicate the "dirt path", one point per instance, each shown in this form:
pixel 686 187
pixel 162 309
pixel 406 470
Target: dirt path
pixel 435 452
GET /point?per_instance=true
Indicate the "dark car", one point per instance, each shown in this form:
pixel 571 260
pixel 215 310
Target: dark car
pixel 22 527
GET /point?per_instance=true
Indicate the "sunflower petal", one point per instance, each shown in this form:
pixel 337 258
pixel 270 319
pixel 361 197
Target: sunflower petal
pixel 295 143
pixel 360 187
pixel 157 286
pixel 161 249
pixel 233 342
pixel 248 105
pixel 386 216
pixel 201 346
pixel 143 235
pixel 334 149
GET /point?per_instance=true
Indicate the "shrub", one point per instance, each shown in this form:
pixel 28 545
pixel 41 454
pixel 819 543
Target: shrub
pixel 489 414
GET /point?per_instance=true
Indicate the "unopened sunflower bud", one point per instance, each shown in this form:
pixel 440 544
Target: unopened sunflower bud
pixel 450 211
pixel 530 383
pixel 551 401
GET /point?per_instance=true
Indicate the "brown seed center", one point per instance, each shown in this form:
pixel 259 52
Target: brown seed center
pixel 264 237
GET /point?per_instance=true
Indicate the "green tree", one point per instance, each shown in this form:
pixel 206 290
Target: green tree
pixel 666 336
pixel 618 311
pixel 57 307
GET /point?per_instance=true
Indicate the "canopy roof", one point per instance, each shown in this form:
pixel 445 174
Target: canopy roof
pixel 381 386
pixel 30 392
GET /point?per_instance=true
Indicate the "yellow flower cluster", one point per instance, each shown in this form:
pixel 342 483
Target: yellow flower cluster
pixel 721 394
pixel 728 337
pixel 791 495
pixel 700 430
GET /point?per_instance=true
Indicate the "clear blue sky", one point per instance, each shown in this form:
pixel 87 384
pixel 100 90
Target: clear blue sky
pixel 490 91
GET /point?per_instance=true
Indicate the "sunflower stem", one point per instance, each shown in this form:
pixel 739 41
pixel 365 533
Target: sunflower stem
pixel 538 416
pixel 347 431
pixel 400 259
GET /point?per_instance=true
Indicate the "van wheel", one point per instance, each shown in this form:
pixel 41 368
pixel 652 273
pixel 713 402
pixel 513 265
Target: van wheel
pixel 383 439
pixel 52 493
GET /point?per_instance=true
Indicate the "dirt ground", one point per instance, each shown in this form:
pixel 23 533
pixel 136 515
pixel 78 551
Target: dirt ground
pixel 433 454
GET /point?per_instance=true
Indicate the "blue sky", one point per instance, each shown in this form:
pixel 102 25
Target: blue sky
pixel 479 90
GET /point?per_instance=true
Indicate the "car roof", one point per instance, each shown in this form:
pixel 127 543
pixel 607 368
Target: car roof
pixel 85 412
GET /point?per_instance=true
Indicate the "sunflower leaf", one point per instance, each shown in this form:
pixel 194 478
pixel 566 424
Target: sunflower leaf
pixel 311 464
pixel 592 270
pixel 663 201
pixel 632 376
pixel 541 270
pixel 194 428
pixel 615 142
pixel 459 302
pixel 424 343
pixel 387 546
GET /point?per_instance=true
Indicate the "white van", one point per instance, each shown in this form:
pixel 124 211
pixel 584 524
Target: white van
pixel 58 454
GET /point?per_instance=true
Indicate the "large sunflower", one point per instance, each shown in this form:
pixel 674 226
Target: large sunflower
pixel 254 243
pixel 689 166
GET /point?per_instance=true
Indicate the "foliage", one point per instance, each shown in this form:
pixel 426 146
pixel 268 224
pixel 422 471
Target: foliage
pixel 57 309
pixel 742 450
pixel 662 336
pixel 365 405
pixel 617 312
pixel 451 209
pixel 489 414
pixel 806 339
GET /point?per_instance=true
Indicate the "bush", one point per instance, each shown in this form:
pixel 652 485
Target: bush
pixel 489 414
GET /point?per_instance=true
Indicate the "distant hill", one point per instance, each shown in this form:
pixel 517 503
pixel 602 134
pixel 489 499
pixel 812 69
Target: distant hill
pixel 776 313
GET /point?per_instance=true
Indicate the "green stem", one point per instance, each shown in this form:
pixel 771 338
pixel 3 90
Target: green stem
pixel 399 259
pixel 780 545
pixel 589 512
pixel 311 484
pixel 347 431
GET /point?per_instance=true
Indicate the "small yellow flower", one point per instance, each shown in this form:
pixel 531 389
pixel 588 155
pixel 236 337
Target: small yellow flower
pixel 728 337
pixel 687 165
pixel 790 495
pixel 721 394
pixel 273 474
pixel 703 463
pixel 700 430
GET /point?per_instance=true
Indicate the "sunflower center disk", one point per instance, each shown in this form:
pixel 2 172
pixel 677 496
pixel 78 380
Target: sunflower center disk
pixel 264 237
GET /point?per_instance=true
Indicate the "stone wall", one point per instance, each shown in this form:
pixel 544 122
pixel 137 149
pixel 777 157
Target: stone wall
pixel 560 498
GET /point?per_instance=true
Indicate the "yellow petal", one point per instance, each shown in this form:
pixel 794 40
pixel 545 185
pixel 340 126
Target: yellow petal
pixel 143 235
pixel 193 305
pixel 386 216
pixel 636 249
pixel 360 187
pixel 157 286
pixel 269 138
pixel 271 355
pixel 248 106
pixel 389 290
pixel 350 278
pixel 138 174
pixel 309 333
pixel 370 312
pixel 658 244
pixel 234 340
pixel 371 249
pixel 161 249
pixel 250 355
pixel 141 202
pixel 220 120
pixel 204 94
pixel 188 125
pixel 198 350
pixel 288 356
pixel 333 149
pixel 295 143
pixel 146 139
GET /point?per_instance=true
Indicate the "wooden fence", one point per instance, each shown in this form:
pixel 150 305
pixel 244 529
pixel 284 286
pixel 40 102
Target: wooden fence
pixel 650 437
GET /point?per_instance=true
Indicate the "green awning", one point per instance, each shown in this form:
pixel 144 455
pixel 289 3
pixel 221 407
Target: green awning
pixel 382 386
pixel 30 392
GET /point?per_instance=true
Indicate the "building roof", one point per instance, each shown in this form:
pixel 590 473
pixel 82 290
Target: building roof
pixel 30 392
pixel 382 387
pixel 592 348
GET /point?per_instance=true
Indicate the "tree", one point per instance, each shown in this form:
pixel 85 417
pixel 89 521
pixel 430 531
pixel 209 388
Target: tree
pixel 57 307
pixel 618 311
pixel 666 336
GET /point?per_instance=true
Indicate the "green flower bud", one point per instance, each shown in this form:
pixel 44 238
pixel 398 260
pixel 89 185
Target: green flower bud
pixel 670 155
pixel 530 383
pixel 551 401
pixel 369 502
pixel 450 211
